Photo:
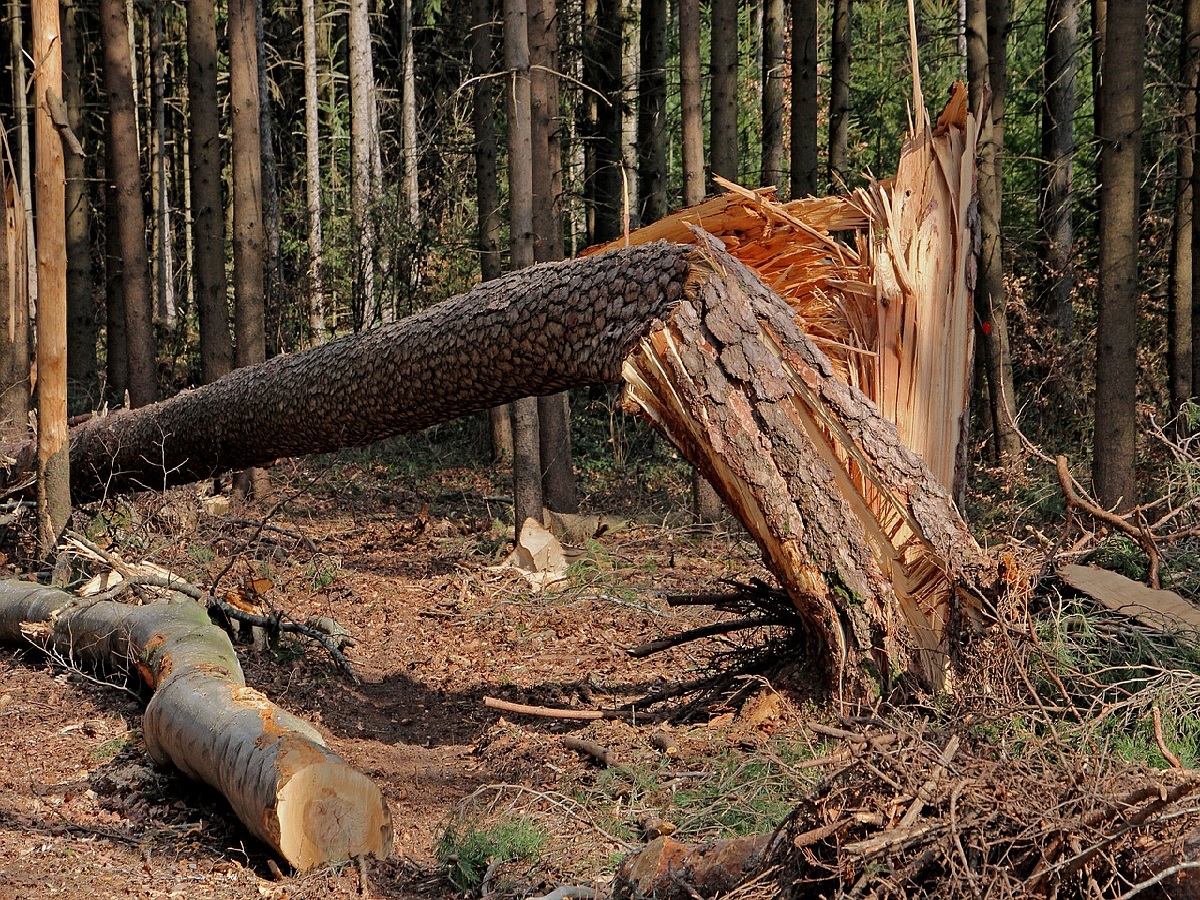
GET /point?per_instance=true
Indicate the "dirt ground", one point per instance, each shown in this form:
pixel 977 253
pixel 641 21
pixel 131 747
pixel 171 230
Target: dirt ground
pixel 403 556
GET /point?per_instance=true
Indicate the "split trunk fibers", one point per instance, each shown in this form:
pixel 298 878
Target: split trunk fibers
pixel 715 360
pixel 286 787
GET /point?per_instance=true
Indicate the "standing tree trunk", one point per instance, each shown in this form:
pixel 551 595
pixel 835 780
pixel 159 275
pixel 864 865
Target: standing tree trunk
pixel 363 141
pixel 554 428
pixel 839 95
pixel 208 205
pixel 690 103
pixel 602 120
pixel 487 186
pixel 1182 297
pixel 987 24
pixel 527 467
pixel 15 387
pixel 723 63
pixel 804 98
pixel 129 215
pixel 1058 155
pixel 706 505
pixel 83 386
pixel 164 248
pixel 53 453
pixel 20 82
pixel 273 287
pixel 1120 138
pixel 408 120
pixel 652 113
pixel 312 180
pixel 773 78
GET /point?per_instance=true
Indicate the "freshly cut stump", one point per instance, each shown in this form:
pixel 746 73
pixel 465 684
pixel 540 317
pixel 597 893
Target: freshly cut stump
pixel 283 783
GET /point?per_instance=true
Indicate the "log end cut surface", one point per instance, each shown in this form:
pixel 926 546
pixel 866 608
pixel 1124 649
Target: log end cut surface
pixel 328 812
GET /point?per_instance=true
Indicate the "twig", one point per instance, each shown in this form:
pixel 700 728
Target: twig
pixel 1159 878
pixel 925 794
pixel 569 892
pixel 546 712
pixel 598 752
pixel 692 634
pixel 262 526
pixel 1162 741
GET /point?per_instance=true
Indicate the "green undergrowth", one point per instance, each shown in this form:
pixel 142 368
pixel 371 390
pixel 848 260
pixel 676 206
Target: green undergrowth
pixel 468 849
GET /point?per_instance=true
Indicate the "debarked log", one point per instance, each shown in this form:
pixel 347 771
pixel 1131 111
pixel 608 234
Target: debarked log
pixel 281 780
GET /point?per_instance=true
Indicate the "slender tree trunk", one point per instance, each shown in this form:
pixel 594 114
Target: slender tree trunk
pixel 15 386
pixel 163 263
pixel 1058 155
pixel 723 118
pixel 690 103
pixel 248 235
pixel 363 138
pixel 208 204
pixel 1182 298
pixel 602 120
pixel 410 137
pixel 487 185
pixel 774 77
pixel 804 99
pixel 312 156
pixel 839 95
pixel 630 13
pixel 20 78
pixel 652 113
pixel 273 286
pixel 116 353
pixel 554 429
pixel 527 467
pixel 83 387
pixel 53 453
pixel 141 353
pixel 1120 137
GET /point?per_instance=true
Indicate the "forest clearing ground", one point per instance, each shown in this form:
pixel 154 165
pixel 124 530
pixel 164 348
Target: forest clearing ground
pixel 403 560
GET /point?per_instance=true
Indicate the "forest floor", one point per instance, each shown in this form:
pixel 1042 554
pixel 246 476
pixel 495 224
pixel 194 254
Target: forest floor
pixel 402 544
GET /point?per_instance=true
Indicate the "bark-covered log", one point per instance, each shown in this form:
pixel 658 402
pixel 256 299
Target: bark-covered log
pixel 530 333
pixel 859 531
pixel 283 783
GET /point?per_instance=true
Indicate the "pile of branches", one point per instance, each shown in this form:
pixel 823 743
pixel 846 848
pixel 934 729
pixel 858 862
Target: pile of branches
pixel 919 815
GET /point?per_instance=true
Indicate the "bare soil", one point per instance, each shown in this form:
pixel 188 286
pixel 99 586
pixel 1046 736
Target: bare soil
pixel 403 555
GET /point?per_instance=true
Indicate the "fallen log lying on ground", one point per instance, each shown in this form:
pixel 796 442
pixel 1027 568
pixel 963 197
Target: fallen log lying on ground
pixel 283 783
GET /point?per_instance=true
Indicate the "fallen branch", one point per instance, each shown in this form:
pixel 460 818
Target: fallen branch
pixel 598 752
pixel 547 712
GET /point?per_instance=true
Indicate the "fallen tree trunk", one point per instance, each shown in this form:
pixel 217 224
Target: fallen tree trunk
pixel 283 783
pixel 860 531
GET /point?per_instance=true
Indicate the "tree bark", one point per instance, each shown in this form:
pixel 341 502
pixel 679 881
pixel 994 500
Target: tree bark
pixel 1058 155
pixel 773 77
pixel 1120 137
pixel 723 117
pixel 129 215
pixel 839 96
pixel 208 205
pixel 163 263
pixel 630 13
pixel 410 138
pixel 83 384
pixel 283 783
pixel 273 284
pixel 53 454
pixel 652 113
pixel 804 99
pixel 602 120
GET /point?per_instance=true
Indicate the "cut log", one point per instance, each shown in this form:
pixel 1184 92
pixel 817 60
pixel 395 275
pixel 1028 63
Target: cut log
pixel 283 783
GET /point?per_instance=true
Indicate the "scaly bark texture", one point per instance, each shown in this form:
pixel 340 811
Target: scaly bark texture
pixel 283 783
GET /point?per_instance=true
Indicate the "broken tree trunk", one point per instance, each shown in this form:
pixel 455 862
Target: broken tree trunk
pixel 283 783
pixel 860 529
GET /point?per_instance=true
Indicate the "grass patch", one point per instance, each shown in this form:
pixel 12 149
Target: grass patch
pixel 467 850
